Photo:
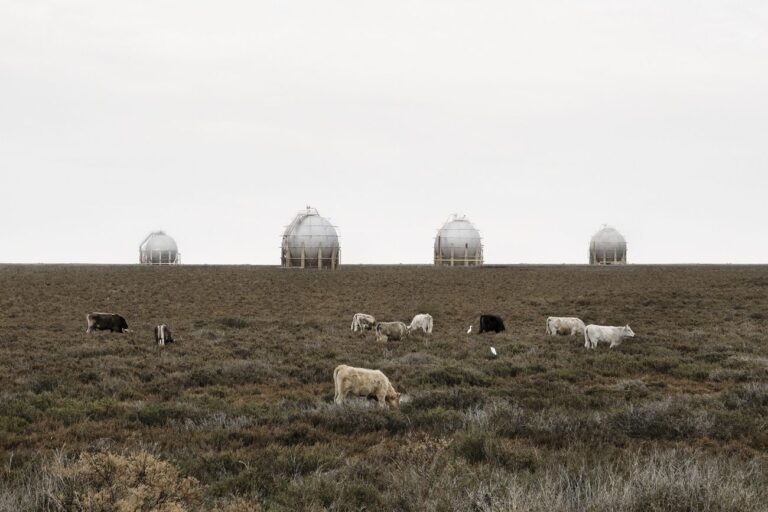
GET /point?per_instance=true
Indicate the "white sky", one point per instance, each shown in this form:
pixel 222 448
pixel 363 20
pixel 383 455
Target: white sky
pixel 541 120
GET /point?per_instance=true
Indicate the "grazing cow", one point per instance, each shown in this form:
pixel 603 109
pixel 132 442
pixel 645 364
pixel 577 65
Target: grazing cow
pixel 564 326
pixel 362 322
pixel 163 335
pixel 421 321
pixel 391 331
pixel 106 322
pixel 363 382
pixel 613 335
pixel 491 323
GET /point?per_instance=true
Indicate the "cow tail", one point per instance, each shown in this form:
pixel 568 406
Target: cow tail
pixel 587 342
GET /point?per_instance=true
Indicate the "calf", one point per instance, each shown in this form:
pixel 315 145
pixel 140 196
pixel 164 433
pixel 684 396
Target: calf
pixel 163 335
pixel 613 335
pixel 106 322
pixel 391 331
pixel 491 323
pixel 363 382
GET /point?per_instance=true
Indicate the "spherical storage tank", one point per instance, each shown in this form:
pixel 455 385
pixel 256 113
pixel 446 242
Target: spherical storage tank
pixel 310 241
pixel 458 243
pixel 159 249
pixel 607 247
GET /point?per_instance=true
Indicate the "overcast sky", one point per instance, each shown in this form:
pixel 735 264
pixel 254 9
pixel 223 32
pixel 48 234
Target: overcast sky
pixel 540 120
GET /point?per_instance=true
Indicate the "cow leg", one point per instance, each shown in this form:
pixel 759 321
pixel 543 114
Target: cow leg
pixel 340 394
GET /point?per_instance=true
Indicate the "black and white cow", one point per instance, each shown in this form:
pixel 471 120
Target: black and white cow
pixel 106 322
pixel 163 335
pixel 491 323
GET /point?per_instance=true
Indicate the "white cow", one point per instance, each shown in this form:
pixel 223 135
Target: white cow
pixel 613 335
pixel 362 322
pixel 564 326
pixel 365 383
pixel 421 321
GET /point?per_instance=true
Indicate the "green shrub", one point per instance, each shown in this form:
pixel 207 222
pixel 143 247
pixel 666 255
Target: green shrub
pixel 44 384
pixel 234 322
pixel 454 376
pixel 159 414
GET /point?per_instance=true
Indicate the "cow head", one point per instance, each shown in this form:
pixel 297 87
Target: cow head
pixel 628 332
pixel 393 400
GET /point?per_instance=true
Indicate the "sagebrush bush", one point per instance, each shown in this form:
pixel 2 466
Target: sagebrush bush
pixel 105 481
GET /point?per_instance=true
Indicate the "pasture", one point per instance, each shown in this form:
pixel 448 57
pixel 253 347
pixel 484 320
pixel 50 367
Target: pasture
pixel 238 414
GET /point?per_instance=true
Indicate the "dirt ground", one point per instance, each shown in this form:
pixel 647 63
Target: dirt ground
pixel 674 419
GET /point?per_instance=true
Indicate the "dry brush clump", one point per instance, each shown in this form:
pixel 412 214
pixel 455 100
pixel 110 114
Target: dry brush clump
pixel 106 481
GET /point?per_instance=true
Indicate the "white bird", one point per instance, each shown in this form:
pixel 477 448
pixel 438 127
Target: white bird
pixel 493 352
pixel 469 331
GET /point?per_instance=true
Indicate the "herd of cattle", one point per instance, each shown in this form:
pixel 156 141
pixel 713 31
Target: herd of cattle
pixel 374 384
pixel 363 382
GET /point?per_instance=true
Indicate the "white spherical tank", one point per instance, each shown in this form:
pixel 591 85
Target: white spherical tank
pixel 310 241
pixel 458 243
pixel 607 247
pixel 159 249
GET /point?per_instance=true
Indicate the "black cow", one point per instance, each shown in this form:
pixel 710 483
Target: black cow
pixel 106 322
pixel 491 323
pixel 163 335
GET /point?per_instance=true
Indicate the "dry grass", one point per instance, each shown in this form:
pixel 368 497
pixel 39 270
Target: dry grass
pixel 238 413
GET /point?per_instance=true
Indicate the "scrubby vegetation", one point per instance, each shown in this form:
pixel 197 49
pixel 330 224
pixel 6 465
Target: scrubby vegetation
pixel 238 414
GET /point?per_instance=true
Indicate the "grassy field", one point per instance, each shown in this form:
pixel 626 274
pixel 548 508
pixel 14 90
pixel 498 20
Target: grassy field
pixel 239 414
